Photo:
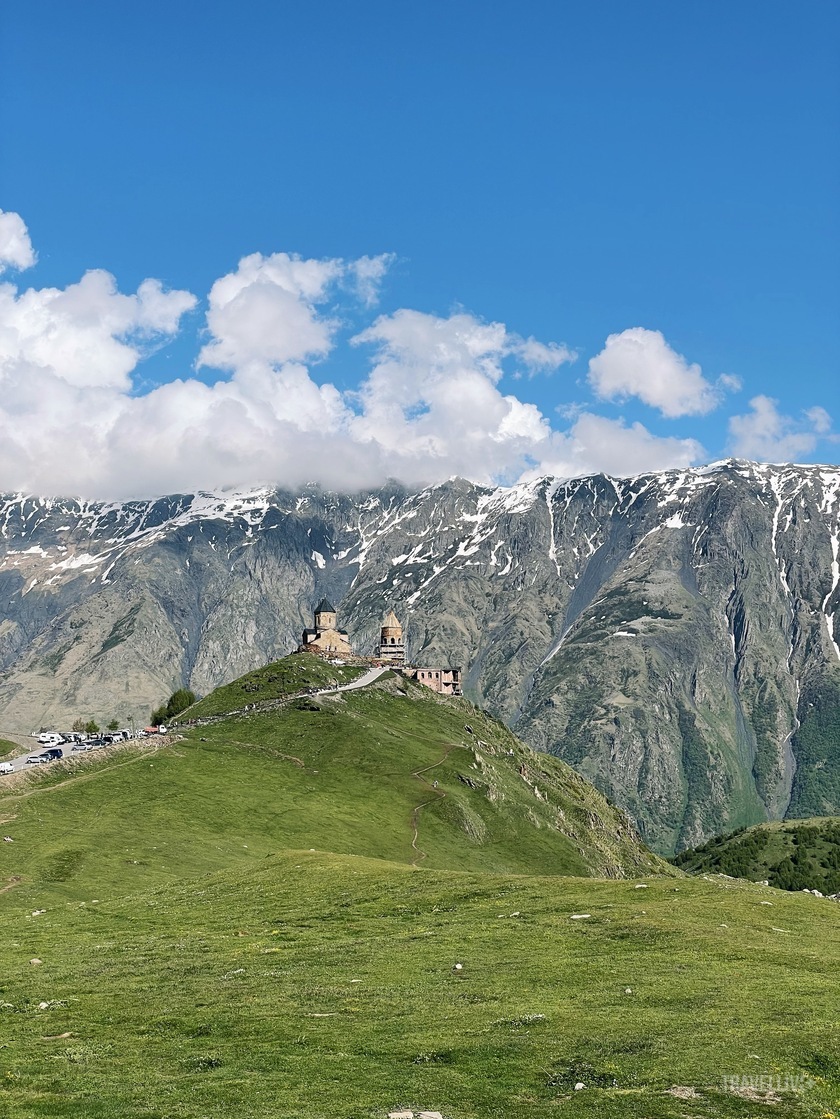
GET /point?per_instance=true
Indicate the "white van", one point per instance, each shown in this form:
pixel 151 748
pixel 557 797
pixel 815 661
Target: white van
pixel 6 767
pixel 50 739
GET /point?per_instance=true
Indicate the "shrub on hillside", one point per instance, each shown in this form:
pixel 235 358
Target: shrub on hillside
pixel 179 701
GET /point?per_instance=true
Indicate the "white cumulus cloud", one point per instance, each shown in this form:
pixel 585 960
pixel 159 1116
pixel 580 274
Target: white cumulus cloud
pixel 367 274
pixel 595 443
pixel 88 333
pixel 639 362
pixel 430 402
pixel 266 311
pixel 15 246
pixel 766 434
pixel 539 357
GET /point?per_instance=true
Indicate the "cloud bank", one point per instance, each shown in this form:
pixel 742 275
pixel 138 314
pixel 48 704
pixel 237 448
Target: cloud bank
pixel 765 434
pixel 429 401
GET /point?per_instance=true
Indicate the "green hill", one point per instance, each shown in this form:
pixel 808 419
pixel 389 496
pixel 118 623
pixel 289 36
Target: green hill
pixel 791 855
pixel 389 771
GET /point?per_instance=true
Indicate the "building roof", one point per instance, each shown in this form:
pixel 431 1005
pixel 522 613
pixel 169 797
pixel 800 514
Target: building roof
pixel 325 606
pixel 391 620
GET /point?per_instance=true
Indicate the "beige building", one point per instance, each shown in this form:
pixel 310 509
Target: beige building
pixel 391 643
pixel 445 681
pixel 326 637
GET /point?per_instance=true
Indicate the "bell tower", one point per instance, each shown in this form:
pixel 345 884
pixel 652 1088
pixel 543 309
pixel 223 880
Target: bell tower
pixel 391 644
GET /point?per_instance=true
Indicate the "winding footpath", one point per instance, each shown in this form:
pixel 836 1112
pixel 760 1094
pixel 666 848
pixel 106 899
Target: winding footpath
pixel 415 812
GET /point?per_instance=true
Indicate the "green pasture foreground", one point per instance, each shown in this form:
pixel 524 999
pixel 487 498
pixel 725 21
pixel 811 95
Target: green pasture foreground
pixel 318 985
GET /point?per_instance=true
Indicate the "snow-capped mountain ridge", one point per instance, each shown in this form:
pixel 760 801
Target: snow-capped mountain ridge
pixel 615 621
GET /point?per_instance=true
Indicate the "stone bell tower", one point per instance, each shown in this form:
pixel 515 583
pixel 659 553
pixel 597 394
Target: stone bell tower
pixel 391 644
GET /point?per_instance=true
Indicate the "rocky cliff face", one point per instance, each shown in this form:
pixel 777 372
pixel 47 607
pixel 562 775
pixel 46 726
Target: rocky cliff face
pixel 673 636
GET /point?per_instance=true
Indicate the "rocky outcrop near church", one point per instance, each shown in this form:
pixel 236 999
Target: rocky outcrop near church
pixel 673 636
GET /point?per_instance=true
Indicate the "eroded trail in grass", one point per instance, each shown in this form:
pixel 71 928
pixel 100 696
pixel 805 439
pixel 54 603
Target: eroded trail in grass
pixel 438 795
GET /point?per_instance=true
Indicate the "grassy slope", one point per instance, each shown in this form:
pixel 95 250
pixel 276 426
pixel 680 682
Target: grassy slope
pixel 792 855
pixel 297 984
pixel 334 773
pixel 7 747
pixel 323 985
pixel 292 674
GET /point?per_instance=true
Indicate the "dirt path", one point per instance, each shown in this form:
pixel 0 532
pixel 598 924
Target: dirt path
pixel 415 812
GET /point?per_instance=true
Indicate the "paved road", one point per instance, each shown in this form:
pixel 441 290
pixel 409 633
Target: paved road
pixel 360 682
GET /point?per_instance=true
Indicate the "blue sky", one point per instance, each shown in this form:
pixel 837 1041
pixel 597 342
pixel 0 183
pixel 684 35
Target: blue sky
pixel 665 175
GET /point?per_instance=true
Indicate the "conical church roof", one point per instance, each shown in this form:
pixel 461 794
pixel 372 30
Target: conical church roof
pixel 391 621
pixel 325 607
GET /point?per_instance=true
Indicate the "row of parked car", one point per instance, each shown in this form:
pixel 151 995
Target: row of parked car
pixel 57 744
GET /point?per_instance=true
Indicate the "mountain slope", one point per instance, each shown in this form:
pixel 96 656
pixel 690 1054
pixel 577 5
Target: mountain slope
pixel 795 855
pixel 390 771
pixel 673 636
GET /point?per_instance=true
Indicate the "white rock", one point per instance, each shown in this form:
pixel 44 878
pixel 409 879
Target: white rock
pixel 579 1085
pixel 641 886
pixel 579 916
pixel 429 1115
pixel 458 967
pixel 400 1115
pixel 628 990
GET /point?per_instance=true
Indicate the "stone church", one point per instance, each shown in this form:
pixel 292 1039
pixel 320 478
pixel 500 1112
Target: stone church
pixel 326 637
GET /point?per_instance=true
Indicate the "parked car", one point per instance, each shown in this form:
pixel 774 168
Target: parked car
pixel 6 767
pixel 36 759
pixel 51 738
pixel 53 754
